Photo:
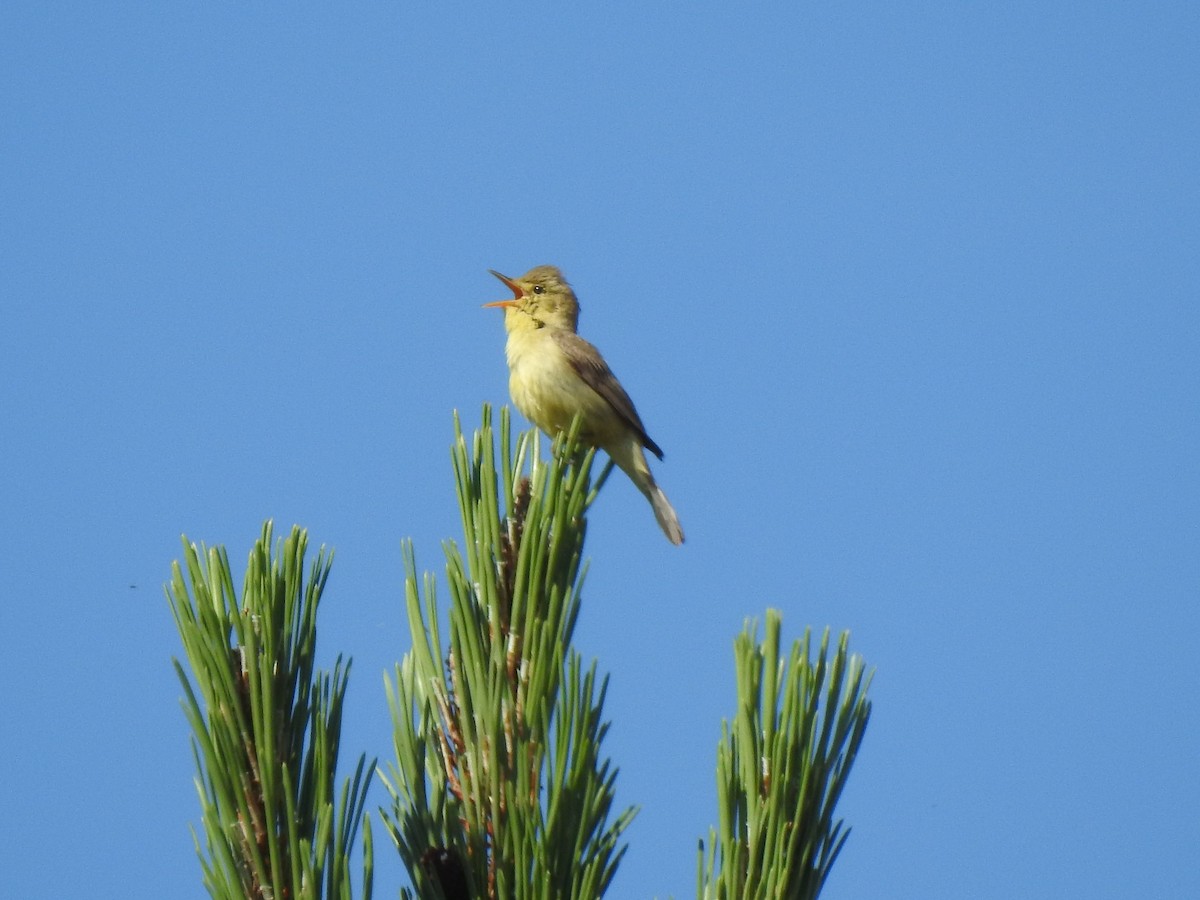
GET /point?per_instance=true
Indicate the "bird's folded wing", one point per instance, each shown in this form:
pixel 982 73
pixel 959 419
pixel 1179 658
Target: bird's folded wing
pixel 590 366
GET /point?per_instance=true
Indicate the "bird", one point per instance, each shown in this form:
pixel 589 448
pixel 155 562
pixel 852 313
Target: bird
pixel 555 374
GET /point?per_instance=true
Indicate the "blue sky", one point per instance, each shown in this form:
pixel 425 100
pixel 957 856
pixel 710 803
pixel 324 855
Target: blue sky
pixel 907 292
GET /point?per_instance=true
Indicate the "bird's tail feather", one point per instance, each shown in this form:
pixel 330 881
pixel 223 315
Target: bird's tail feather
pixel 629 456
pixel 664 512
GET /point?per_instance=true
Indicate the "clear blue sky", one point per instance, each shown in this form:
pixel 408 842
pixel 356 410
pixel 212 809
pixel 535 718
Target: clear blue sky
pixel 907 292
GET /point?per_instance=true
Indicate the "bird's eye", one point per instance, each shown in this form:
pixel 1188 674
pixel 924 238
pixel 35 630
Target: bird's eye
pixel 538 289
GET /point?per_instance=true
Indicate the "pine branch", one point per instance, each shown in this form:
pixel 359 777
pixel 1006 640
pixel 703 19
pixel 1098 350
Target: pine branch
pixel 781 766
pixel 266 727
pixel 499 788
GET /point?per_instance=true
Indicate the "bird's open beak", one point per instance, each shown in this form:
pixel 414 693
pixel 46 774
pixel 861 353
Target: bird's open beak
pixel 512 286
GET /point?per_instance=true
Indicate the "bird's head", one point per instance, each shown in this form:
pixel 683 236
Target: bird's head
pixel 541 297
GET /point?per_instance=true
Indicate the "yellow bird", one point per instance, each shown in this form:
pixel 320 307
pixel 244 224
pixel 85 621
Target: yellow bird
pixel 554 374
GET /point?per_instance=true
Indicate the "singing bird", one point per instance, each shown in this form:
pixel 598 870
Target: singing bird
pixel 554 374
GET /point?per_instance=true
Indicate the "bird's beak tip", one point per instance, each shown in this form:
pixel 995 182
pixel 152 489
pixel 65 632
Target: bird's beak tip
pixel 518 293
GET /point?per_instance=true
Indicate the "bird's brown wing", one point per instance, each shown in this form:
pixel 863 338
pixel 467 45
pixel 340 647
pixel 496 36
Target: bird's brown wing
pixel 591 367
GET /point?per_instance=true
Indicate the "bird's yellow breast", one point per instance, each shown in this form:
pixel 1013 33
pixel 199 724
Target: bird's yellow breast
pixel 549 392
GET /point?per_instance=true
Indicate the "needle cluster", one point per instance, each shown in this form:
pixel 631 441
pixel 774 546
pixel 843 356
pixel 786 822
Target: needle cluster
pixel 782 763
pixel 499 787
pixel 266 727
